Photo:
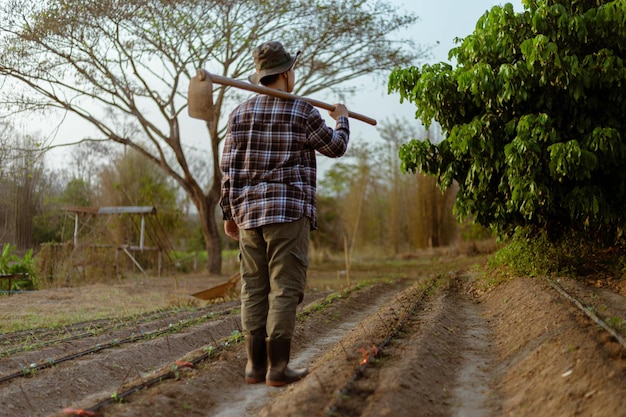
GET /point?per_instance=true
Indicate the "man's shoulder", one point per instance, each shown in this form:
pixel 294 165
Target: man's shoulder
pixel 265 106
pixel 245 106
pixel 252 101
pixel 305 109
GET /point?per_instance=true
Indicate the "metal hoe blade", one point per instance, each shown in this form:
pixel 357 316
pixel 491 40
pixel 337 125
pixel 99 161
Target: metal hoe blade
pixel 200 97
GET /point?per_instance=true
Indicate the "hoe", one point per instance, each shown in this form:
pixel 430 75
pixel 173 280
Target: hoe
pixel 200 96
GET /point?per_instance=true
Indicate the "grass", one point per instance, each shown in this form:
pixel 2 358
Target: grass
pixel 134 296
pixel 55 308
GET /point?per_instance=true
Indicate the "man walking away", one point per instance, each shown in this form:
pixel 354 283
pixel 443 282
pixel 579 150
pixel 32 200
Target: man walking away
pixel 269 205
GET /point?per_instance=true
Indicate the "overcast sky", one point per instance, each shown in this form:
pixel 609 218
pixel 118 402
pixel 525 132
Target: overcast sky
pixel 444 20
pixel 440 22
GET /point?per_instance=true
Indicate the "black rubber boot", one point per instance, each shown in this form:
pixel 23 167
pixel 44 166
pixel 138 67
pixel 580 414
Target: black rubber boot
pixel 278 373
pixel 256 368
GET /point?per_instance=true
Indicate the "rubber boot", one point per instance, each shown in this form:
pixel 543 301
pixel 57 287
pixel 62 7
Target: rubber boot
pixel 278 373
pixel 256 367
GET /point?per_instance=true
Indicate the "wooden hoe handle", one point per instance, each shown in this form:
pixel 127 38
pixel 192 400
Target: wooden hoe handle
pixel 203 74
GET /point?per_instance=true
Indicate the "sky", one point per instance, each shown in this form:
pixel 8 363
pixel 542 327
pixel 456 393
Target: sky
pixel 440 22
pixel 443 20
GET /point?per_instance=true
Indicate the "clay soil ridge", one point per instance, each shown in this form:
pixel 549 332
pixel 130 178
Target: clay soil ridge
pixel 431 346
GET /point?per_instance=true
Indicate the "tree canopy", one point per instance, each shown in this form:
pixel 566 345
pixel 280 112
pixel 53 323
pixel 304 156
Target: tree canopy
pixel 124 67
pixel 533 113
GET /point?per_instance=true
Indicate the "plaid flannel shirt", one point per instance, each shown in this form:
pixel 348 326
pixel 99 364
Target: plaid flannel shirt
pixel 268 164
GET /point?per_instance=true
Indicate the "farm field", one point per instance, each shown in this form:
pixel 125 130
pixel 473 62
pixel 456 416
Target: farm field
pixel 429 335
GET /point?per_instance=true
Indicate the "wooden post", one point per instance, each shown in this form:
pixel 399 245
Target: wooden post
pixel 117 262
pixel 132 258
pixel 75 229
pixel 143 228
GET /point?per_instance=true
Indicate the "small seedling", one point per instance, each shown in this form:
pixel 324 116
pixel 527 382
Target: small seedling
pixel 615 322
pixel 29 370
pixel 176 372
pixel 236 336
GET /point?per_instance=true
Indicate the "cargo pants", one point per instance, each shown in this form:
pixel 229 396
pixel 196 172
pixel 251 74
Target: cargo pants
pixel 274 262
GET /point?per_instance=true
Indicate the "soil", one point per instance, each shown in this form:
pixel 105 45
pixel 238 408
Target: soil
pixel 436 341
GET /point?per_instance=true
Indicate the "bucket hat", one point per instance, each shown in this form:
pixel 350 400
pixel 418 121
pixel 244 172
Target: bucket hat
pixel 271 58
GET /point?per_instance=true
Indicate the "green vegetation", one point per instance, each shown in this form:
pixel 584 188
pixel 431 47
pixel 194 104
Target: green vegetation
pixel 11 264
pixel 534 118
pixel 139 295
pixel 45 44
pixel 571 255
pixel 335 296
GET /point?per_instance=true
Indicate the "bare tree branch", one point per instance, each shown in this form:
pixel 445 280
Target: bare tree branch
pixel 124 67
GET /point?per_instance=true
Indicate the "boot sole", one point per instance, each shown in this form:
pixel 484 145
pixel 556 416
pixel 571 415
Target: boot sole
pixel 254 380
pixel 278 383
pixel 282 383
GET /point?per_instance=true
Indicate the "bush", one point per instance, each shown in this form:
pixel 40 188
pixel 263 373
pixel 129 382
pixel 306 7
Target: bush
pixel 11 264
pixel 571 255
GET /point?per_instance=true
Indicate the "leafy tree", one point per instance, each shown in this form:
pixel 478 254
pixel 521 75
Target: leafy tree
pixel 73 185
pixel 132 180
pixel 49 222
pixel 78 192
pixel 533 112
pixel 419 213
pixel 124 67
pixel 366 199
pixel 349 194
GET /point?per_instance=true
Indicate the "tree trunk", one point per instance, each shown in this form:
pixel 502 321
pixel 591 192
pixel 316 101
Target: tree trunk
pixel 206 206
pixel 213 244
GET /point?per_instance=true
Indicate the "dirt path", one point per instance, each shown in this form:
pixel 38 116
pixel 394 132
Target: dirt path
pixel 428 346
pixel 440 363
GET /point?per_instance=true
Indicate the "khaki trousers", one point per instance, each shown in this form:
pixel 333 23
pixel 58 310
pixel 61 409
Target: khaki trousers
pixel 274 261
